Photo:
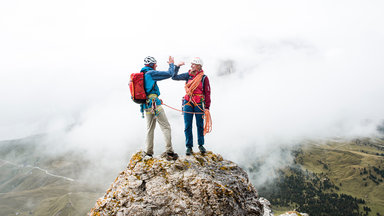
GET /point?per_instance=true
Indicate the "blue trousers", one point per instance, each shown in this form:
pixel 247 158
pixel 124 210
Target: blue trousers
pixel 188 120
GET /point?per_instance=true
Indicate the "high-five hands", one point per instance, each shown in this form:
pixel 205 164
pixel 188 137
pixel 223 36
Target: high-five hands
pixel 171 60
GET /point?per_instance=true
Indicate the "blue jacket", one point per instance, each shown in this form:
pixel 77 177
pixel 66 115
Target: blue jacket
pixel 151 77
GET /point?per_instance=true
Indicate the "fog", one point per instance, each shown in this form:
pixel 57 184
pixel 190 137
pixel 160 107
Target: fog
pixel 280 72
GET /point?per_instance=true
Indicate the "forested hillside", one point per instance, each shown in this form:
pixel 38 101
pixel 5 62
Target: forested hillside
pixel 332 178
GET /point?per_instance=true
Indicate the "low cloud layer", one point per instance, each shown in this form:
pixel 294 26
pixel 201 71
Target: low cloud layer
pixel 280 72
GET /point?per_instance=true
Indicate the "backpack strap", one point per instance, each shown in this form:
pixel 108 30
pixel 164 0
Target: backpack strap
pixel 153 87
pixel 202 81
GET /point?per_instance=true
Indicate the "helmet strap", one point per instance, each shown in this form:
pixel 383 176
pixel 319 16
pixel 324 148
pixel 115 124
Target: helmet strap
pixel 150 65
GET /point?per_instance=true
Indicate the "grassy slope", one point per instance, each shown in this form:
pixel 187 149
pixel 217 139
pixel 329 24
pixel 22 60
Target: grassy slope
pixel 67 198
pixel 342 162
pixel 40 194
pixel 25 190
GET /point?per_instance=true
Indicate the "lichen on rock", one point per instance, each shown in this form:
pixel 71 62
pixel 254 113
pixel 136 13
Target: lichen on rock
pixel 192 185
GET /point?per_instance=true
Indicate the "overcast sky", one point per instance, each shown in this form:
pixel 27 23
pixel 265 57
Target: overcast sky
pixel 300 69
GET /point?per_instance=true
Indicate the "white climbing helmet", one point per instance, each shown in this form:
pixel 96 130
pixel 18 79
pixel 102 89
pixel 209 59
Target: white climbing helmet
pixel 149 60
pixel 197 61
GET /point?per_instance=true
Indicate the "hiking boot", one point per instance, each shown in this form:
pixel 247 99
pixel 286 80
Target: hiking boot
pixel 189 151
pixel 147 157
pixel 202 149
pixel 172 156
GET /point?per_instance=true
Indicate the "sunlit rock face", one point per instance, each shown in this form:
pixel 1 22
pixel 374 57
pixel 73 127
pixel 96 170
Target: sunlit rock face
pixel 191 185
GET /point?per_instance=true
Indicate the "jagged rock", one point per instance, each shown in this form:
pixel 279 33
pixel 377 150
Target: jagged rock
pixel 266 206
pixel 191 185
pixel 294 213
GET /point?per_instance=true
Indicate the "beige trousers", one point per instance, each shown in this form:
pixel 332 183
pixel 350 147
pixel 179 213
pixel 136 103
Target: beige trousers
pixel 165 128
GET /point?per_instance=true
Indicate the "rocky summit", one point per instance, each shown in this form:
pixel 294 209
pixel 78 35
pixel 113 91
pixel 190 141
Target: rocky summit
pixel 192 185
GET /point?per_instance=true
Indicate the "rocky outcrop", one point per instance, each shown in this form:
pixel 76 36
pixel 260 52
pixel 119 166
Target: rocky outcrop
pixel 192 185
pixel 294 213
pixel 266 206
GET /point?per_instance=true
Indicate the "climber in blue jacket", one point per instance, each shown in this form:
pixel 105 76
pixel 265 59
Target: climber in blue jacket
pixel 153 109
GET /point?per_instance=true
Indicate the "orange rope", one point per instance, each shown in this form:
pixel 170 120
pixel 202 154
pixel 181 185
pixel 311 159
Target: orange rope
pixel 207 121
pixel 191 86
pixel 182 110
pixel 189 89
pixel 206 117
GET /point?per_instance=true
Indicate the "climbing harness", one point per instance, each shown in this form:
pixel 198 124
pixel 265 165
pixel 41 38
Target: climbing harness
pixel 150 106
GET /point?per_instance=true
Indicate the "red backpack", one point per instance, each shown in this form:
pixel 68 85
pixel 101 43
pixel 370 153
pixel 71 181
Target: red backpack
pixel 137 88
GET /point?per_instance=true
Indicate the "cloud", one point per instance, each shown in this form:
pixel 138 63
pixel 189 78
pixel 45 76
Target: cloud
pixel 298 69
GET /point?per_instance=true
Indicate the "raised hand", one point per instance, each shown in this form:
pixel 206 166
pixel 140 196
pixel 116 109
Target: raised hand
pixel 171 60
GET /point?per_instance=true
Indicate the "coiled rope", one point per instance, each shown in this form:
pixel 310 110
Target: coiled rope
pixel 207 122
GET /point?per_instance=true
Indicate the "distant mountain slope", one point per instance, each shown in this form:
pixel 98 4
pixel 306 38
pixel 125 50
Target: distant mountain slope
pixel 34 183
pixel 341 170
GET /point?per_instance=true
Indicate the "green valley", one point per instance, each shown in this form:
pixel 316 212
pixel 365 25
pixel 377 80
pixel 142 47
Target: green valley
pixel 338 177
